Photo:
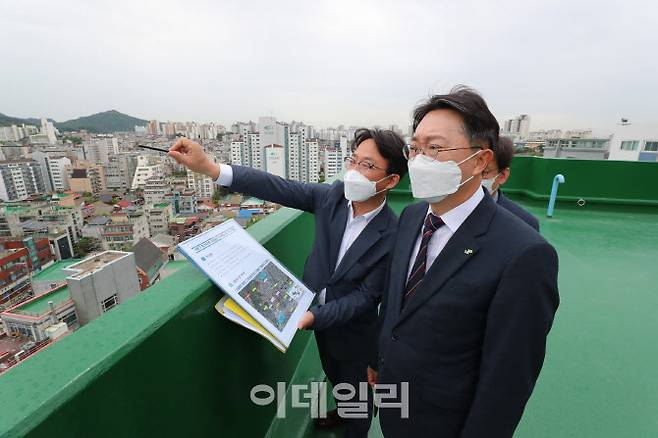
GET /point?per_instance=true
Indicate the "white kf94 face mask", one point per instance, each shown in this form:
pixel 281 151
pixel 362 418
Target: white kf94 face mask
pixel 358 187
pixel 432 180
pixel 489 182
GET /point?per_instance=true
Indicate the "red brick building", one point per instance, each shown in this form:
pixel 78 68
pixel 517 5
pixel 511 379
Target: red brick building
pixel 39 249
pixel 15 269
pixel 184 227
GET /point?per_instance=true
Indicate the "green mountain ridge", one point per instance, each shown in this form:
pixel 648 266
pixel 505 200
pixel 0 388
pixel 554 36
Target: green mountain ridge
pixel 102 123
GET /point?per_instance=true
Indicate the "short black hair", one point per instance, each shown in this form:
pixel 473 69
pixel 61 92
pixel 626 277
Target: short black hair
pixel 480 125
pixel 389 144
pixel 504 153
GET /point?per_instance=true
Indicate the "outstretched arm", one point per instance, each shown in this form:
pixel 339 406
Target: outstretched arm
pixel 250 181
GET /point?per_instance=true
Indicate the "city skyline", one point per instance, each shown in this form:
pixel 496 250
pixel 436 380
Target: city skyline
pixel 226 127
pixel 362 64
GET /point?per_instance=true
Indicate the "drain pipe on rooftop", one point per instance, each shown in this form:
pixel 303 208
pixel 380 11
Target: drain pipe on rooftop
pixel 53 313
pixel 557 180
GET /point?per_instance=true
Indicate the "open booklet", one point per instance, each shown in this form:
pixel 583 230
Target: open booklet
pixel 261 294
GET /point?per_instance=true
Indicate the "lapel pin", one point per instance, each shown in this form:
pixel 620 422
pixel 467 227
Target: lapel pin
pixel 468 251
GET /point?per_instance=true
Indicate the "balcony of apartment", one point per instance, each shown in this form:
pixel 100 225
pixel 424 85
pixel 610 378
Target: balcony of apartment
pixel 165 363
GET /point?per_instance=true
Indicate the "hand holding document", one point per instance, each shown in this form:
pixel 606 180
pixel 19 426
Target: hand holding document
pixel 262 295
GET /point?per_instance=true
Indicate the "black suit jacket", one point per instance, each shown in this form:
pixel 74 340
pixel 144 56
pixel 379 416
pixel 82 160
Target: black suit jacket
pixel 471 341
pixel 345 326
pixel 517 210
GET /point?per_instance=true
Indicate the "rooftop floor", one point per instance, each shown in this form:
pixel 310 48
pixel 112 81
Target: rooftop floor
pixel 599 378
pixel 39 305
pixel 94 263
pixel 12 344
pixel 55 271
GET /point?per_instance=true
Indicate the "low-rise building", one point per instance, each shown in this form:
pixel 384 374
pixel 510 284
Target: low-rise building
pixel 577 148
pixel 184 201
pixel 41 255
pixel 149 260
pixel 184 227
pixel 88 179
pixel 124 230
pixel 15 270
pixel 158 217
pixel 634 142
pixel 61 243
pixel 155 190
pixel 95 226
pixel 101 282
pixel 67 199
pixel 166 244
pixel 32 318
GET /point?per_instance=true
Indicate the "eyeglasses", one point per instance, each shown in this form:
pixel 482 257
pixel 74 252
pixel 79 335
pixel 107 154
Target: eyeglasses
pixel 431 150
pixel 362 165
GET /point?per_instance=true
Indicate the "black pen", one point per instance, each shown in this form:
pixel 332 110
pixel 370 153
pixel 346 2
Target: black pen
pixel 153 148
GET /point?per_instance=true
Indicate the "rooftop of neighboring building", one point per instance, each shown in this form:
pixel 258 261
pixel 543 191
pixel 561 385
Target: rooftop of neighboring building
pixel 17 161
pixel 124 203
pixel 40 304
pixel 187 220
pixel 55 272
pixel 78 173
pixel 34 225
pixel 253 201
pixel 11 209
pixel 232 198
pixel 93 263
pixel 11 344
pixel 147 254
pixel 98 220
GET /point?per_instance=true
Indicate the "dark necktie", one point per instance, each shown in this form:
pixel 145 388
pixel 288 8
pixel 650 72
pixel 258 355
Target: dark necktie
pixel 432 223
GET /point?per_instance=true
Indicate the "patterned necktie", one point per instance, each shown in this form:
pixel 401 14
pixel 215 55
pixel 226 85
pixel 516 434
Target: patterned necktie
pixel 432 223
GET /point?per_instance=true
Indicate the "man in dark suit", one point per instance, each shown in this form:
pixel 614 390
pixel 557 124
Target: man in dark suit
pixel 472 290
pixel 354 232
pixel 497 173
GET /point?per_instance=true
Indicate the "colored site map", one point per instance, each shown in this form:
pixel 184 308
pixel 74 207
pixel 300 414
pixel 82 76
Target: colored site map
pixel 273 294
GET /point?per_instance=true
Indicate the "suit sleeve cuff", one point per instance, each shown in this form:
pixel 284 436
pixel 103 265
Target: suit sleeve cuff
pixel 317 317
pixel 225 177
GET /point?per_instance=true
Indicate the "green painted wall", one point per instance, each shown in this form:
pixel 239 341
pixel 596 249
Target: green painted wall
pixel 609 182
pixel 165 363
pixel 601 182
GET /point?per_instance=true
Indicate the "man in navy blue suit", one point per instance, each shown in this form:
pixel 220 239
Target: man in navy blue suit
pixel 472 290
pixel 497 173
pixel 354 233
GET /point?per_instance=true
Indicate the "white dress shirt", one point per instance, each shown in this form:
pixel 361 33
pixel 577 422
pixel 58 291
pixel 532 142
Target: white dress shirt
pixel 225 177
pixel 452 220
pixel 354 227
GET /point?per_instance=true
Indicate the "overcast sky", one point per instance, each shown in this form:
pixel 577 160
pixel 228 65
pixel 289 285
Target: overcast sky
pixel 567 63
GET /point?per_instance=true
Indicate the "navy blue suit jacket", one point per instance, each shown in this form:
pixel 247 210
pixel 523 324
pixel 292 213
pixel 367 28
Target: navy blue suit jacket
pixel 355 287
pixel 471 341
pixel 519 211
